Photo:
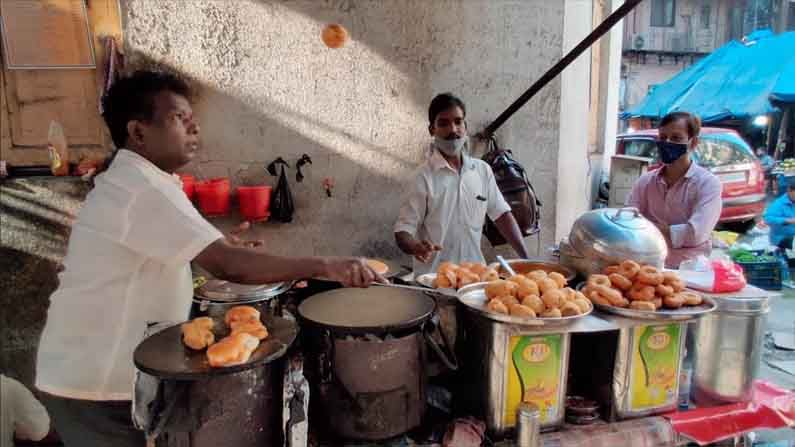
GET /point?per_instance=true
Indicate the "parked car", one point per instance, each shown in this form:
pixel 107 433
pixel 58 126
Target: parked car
pixel 725 154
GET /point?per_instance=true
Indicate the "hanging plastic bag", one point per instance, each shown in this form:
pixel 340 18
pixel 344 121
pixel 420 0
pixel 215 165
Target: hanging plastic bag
pixel 282 208
pixel 715 276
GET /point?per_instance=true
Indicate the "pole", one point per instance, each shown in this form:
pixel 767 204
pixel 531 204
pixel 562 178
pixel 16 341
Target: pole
pixel 598 32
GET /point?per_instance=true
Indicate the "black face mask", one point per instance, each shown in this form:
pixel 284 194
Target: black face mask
pixel 670 152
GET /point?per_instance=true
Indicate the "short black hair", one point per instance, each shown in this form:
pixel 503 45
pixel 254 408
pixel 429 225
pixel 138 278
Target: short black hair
pixel 132 98
pixel 442 102
pixel 692 121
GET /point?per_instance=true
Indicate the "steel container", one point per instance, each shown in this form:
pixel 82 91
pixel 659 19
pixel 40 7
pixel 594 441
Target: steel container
pixel 490 349
pixel 647 386
pixel 527 425
pixel 609 236
pixel 728 349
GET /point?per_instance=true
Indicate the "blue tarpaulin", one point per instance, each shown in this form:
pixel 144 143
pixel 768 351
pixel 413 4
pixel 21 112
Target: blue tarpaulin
pixel 736 81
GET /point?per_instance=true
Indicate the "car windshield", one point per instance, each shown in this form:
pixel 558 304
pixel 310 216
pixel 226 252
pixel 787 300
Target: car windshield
pixel 721 150
pixel 641 148
pixel 713 150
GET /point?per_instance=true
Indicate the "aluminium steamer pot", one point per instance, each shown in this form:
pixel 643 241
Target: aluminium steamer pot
pixel 609 236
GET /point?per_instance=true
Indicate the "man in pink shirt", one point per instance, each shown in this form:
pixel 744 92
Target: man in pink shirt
pixel 681 198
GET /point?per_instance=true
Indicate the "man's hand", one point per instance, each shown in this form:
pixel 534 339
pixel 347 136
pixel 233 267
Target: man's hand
pixel 351 272
pixel 235 238
pixel 424 250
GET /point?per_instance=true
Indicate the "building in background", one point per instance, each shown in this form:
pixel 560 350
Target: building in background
pixel 662 37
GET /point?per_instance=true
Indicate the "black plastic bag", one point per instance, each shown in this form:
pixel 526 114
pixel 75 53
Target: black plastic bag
pixel 282 208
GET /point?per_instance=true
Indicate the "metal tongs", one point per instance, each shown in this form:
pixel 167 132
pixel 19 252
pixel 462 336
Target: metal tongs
pixel 416 288
pixel 506 266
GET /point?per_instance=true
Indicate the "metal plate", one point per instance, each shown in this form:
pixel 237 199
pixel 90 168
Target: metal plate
pixel 473 296
pixel 164 355
pixel 372 310
pixel 427 280
pixel 681 314
pixel 222 291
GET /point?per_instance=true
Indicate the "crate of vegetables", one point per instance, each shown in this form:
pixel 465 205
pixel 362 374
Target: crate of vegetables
pixel 761 270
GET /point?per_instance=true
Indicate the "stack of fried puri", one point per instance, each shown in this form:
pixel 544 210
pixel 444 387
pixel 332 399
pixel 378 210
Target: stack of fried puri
pixel 246 331
pixel 455 276
pixel 536 294
pixel 639 287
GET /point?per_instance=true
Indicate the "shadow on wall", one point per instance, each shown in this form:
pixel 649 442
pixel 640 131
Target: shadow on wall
pixel 272 89
pixel 365 192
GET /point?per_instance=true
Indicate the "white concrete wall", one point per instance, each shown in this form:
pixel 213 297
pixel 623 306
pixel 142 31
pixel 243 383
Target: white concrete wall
pixel 574 189
pixel 271 88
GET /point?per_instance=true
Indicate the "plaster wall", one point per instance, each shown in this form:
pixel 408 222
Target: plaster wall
pixel 271 88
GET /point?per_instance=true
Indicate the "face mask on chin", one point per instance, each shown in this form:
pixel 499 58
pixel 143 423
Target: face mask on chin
pixel 670 152
pixel 450 148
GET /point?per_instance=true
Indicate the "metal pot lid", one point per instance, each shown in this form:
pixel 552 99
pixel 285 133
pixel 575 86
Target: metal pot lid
pixel 229 292
pixel 371 310
pixel 618 234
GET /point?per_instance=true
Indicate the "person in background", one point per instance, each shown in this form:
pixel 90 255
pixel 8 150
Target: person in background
pixel 780 216
pixel 681 198
pixel 768 164
pixel 23 416
pixel 450 197
pixel 128 264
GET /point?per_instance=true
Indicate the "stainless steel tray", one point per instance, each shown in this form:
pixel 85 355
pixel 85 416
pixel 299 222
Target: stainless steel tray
pixel 473 296
pixel 681 314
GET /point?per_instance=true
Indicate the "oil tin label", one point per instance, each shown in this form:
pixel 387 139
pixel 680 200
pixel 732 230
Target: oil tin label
pixel 533 375
pixel 655 362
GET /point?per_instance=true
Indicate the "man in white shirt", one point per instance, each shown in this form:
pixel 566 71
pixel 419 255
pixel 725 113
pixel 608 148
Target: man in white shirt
pixel 128 264
pixel 442 218
pixel 21 414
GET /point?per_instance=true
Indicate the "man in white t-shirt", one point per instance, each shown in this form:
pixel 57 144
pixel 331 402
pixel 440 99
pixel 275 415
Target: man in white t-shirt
pixel 443 215
pixel 128 264
pixel 21 414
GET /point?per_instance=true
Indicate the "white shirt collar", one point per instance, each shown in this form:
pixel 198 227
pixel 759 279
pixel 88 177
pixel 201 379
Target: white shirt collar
pixel 438 162
pixel 142 161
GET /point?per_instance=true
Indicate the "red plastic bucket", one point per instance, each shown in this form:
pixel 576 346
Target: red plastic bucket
pixel 188 185
pixel 213 196
pixel 255 201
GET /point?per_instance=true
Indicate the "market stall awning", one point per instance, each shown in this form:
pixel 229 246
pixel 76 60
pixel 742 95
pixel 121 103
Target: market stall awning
pixel 784 90
pixel 736 81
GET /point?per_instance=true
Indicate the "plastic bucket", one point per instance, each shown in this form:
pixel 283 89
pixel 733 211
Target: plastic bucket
pixel 188 185
pixel 254 201
pixel 213 196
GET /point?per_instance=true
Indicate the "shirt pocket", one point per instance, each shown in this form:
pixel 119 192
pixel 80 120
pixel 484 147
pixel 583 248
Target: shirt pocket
pixel 474 200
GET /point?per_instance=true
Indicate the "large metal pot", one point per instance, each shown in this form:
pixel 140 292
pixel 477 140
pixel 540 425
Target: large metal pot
pixel 216 296
pixel 609 236
pixel 728 349
pixel 365 353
